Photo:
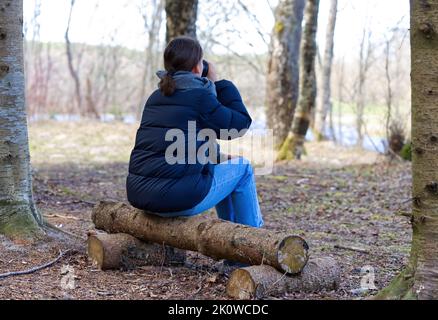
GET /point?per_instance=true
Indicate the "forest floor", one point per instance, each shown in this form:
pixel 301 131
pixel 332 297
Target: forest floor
pixel 336 198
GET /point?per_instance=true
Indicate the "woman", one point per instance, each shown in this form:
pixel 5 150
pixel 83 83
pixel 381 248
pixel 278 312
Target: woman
pixel 189 188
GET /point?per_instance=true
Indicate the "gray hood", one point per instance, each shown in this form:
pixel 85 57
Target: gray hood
pixel 188 80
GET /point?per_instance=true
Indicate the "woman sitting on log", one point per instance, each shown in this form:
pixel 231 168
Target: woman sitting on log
pixel 187 184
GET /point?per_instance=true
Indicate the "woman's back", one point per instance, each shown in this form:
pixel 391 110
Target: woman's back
pixel 156 184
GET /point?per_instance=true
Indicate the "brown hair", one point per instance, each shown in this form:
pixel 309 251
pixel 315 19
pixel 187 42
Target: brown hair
pixel 181 54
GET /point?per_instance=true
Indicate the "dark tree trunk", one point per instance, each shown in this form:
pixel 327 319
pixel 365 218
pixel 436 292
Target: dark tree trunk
pixel 283 68
pixel 292 147
pixel 181 18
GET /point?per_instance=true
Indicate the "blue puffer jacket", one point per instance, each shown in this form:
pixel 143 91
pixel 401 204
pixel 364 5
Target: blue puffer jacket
pixel 152 183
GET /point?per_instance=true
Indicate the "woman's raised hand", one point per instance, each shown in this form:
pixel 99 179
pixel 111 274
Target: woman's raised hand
pixel 212 75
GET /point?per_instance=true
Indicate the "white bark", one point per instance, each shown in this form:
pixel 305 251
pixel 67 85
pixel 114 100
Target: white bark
pixel 17 209
pixel 325 103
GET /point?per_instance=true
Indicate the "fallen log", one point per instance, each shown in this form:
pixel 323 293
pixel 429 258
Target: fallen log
pixel 261 281
pixel 123 251
pixel 212 237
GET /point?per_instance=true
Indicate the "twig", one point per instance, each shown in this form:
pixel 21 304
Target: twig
pixel 404 214
pixel 48 225
pixel 35 269
pixel 351 248
pixel 62 217
pixel 271 287
pixel 198 290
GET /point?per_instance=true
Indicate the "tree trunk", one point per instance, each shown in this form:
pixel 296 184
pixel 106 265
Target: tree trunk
pixel 325 104
pixel 122 251
pixel 420 278
pixel 292 147
pixel 152 25
pixel 283 68
pixel 365 52
pixel 19 217
pixel 212 237
pixel 72 70
pixel 181 18
pixel 259 281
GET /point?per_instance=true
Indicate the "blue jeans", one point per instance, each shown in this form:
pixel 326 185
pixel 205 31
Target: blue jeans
pixel 233 193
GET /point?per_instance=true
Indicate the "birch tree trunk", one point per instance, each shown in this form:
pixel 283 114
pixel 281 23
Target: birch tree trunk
pixel 181 18
pixel 420 278
pixel 283 68
pixel 292 147
pixel 19 217
pixel 325 104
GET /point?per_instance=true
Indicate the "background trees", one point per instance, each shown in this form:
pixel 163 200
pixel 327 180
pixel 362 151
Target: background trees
pixel 111 74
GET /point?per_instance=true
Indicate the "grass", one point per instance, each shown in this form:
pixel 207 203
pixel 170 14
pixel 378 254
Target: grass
pixel 81 143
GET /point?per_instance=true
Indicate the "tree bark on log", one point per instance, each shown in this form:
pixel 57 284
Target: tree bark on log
pixel 123 251
pixel 260 281
pixel 212 237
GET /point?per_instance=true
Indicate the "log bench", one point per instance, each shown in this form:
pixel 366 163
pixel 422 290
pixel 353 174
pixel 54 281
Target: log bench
pixel 279 262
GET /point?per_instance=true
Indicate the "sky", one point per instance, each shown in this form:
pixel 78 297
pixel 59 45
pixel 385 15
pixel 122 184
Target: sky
pixel 119 22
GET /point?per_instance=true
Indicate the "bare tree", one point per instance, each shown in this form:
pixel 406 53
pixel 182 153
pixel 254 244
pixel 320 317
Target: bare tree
pixel 365 60
pixel 181 18
pixel 325 103
pixel 293 145
pixel 152 26
pixel 71 68
pixel 340 86
pixel 283 68
pixel 18 214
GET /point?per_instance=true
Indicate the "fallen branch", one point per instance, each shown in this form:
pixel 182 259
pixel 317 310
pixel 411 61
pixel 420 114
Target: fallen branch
pixel 48 225
pixel 351 248
pixel 35 269
pixel 63 217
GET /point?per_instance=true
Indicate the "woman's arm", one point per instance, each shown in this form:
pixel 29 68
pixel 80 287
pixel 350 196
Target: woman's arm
pixel 224 112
